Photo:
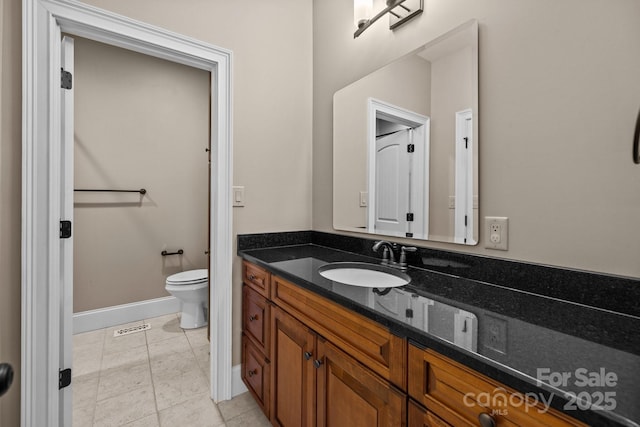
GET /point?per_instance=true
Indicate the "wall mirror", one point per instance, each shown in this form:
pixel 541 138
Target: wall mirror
pixel 405 144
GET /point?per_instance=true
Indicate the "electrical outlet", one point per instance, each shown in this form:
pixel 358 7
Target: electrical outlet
pixel 496 232
pixel 494 334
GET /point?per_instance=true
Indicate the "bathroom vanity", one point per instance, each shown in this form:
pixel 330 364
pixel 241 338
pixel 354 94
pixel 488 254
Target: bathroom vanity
pixel 442 350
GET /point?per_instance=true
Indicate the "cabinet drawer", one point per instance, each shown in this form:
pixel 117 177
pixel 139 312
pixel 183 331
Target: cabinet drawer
pixel 255 318
pixel 420 417
pixel 256 373
pixel 255 277
pixel 363 339
pixel 461 396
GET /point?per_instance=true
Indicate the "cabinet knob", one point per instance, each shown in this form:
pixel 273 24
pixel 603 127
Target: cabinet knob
pixel 317 363
pixel 252 318
pixel 486 420
pixel 252 277
pixel 307 355
pixel 252 372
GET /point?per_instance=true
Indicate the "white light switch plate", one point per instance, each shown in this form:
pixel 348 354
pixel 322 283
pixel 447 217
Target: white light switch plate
pixel 496 232
pixel 238 195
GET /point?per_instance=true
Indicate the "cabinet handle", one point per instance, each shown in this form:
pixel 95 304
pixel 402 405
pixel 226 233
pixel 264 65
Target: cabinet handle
pixel 252 277
pixel 486 420
pixel 252 318
pixel 317 363
pixel 307 355
pixel 252 372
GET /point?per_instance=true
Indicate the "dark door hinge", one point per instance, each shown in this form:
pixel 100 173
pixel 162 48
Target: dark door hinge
pixel 466 142
pixel 408 234
pixel 65 229
pixel 466 218
pixel 64 378
pixel 409 217
pixel 411 148
pixel 408 313
pixel 66 79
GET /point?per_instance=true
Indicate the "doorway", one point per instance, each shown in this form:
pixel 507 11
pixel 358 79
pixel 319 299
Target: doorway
pixel 45 263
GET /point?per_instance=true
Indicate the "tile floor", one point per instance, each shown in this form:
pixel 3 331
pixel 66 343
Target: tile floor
pixel 153 378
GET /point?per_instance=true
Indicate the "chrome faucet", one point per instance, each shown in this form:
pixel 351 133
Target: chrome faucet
pixel 388 256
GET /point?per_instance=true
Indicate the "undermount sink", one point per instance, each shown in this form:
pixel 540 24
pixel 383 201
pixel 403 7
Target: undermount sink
pixel 364 274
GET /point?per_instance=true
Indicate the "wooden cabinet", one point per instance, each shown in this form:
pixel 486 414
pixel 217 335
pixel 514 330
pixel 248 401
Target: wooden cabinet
pixel 293 346
pixel 463 397
pixel 349 394
pixel 315 384
pixel 310 362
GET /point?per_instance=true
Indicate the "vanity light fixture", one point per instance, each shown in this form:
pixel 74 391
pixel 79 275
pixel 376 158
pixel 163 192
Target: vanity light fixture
pixel 400 11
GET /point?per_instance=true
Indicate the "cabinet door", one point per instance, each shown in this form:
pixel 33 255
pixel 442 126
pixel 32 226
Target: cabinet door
pixel 255 373
pixel 293 374
pixel 420 417
pixel 351 395
pixel 256 318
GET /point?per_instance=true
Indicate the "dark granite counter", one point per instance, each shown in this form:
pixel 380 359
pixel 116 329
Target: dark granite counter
pixel 565 349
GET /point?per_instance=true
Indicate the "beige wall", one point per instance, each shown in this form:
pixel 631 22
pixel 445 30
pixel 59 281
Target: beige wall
pixel 10 201
pixel 559 93
pixel 140 122
pixel 272 92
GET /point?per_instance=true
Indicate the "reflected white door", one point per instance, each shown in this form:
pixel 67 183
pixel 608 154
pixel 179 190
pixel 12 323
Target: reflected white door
pixel 66 244
pixel 392 184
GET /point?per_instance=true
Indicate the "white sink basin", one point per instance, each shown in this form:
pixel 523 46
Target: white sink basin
pixel 364 275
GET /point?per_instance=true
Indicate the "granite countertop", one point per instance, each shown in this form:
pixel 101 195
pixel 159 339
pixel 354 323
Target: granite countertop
pixel 523 339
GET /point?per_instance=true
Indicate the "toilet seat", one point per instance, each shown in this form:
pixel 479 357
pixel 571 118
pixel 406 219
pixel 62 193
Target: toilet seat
pixel 191 277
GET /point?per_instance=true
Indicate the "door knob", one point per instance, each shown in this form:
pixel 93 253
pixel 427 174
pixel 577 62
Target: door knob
pixel 6 377
pixel 486 420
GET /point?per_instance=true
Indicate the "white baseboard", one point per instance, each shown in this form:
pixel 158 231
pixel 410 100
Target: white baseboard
pixel 111 316
pixel 237 386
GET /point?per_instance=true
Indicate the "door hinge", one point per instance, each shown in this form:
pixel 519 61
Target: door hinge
pixel 409 217
pixel 408 234
pixel 66 79
pixel 64 378
pixel 408 313
pixel 411 148
pixel 466 142
pixel 65 229
pixel 465 220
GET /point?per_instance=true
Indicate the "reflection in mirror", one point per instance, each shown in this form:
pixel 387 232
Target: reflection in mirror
pixel 406 143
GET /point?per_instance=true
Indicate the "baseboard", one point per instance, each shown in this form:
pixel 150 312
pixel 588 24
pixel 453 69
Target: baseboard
pixel 111 316
pixel 237 386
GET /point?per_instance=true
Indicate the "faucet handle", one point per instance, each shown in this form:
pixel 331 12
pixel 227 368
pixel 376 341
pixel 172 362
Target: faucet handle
pixel 403 255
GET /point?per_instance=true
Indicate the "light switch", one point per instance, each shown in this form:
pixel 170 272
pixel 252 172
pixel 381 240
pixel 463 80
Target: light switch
pixel 238 195
pixel 363 199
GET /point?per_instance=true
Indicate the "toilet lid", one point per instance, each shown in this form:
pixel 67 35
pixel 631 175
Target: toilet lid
pixel 189 277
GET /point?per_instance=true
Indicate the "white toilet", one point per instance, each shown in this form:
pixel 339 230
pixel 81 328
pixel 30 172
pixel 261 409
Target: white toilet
pixel 190 287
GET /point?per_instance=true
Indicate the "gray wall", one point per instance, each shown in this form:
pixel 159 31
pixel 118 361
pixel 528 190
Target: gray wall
pixel 559 94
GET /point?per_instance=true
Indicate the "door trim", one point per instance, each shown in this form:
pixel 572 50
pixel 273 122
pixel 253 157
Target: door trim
pixel 41 187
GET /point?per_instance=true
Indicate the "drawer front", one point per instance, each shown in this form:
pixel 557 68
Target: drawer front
pixel 255 318
pixel 420 417
pixel 364 340
pixel 463 397
pixel 255 277
pixel 255 373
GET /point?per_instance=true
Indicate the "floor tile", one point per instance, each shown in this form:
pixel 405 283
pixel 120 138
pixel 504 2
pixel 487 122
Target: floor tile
pixel 124 357
pixel 153 378
pixel 148 421
pixel 253 418
pixel 125 408
pixel 123 379
pixel 237 406
pixel 163 328
pixel 85 390
pixel 172 389
pixel 199 411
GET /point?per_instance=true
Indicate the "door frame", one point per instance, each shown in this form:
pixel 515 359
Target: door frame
pixel 41 187
pixel 421 133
